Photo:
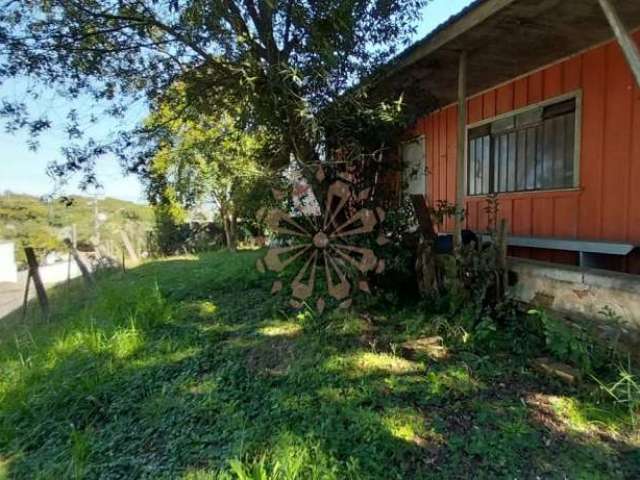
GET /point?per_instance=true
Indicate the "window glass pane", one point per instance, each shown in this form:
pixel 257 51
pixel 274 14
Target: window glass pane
pixel 559 109
pixel 533 150
pixel 539 156
pixel 481 131
pixel 471 168
pixel 512 162
pixel 414 173
pixel 559 151
pixel 486 174
pixel 522 159
pixel 530 117
pixel 548 152
pixel 531 159
pixel 503 125
pixel 479 165
pixel 570 144
pixel 504 159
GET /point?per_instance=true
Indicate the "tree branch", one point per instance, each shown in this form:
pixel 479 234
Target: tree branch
pixel 151 20
pixel 241 28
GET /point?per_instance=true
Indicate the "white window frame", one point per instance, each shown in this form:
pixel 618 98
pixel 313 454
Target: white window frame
pixel 577 95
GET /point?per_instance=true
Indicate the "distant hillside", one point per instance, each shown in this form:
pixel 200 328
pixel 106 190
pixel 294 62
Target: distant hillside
pixel 29 220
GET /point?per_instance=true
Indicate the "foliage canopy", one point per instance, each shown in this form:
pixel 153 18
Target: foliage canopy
pixel 285 59
pixel 212 158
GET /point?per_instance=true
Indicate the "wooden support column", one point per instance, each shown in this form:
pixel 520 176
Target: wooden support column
pixel 462 148
pixel 627 44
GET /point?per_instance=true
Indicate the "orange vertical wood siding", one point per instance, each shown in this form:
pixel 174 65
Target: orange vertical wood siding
pixel 606 206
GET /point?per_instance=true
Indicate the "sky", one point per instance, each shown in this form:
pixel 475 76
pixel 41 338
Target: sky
pixel 24 171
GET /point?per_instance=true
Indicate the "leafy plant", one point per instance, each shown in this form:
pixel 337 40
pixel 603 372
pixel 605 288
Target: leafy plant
pixel 625 391
pixel 571 343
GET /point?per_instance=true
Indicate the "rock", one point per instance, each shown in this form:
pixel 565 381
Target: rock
pixel 556 369
pixel 431 346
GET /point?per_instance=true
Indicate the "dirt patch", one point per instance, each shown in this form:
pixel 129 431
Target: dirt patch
pixel 541 412
pixel 272 357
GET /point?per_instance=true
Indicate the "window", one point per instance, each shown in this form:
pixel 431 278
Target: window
pixel 531 150
pixel 414 169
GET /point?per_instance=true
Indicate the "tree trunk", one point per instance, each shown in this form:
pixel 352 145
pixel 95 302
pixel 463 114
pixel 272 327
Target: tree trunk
pixel 233 223
pixel 426 266
pixel 229 223
pixel 226 226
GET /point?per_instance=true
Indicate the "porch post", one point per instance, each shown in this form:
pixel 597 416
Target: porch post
pixel 624 39
pixel 462 146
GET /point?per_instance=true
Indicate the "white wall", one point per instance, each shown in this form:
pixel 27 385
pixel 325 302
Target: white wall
pixel 8 268
pixel 58 272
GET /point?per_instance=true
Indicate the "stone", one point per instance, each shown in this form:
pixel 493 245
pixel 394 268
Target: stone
pixel 559 370
pixel 431 346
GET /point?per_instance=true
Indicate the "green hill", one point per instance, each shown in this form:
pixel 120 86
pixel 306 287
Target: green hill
pixel 43 224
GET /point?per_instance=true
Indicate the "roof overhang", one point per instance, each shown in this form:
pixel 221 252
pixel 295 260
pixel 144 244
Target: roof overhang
pixel 504 39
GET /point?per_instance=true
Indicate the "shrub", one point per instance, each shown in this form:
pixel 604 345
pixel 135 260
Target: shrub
pixel 625 391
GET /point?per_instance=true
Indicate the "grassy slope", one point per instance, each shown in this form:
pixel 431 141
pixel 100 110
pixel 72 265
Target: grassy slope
pixel 188 368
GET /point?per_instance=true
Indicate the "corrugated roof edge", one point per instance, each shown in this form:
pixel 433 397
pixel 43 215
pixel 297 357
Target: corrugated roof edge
pixel 443 26
pixel 389 66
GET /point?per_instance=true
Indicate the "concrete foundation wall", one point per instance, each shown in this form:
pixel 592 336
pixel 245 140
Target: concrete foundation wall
pixel 583 293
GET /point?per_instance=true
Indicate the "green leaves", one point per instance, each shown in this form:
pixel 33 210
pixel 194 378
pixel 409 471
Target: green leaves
pixel 282 60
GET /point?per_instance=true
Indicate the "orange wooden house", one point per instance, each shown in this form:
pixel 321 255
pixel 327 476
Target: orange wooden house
pixel 552 124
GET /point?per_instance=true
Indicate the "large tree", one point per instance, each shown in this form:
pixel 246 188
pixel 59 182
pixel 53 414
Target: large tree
pixel 286 60
pixel 207 158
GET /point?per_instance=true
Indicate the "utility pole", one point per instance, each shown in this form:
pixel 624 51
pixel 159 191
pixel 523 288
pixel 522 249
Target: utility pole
pixel 74 236
pixel 96 224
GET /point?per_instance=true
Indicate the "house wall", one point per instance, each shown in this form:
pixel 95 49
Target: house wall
pixel 8 268
pixel 606 206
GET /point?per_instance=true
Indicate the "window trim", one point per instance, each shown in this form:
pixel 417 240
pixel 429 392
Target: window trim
pixel 577 95
pixel 421 139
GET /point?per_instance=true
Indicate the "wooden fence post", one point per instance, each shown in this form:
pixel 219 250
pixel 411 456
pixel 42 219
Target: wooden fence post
pixel 129 246
pixel 69 271
pixel 25 301
pixel 32 261
pixel 86 273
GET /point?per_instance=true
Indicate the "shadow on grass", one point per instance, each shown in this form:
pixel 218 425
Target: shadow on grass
pixel 180 379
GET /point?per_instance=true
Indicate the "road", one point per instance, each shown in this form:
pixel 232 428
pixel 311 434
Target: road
pixel 11 295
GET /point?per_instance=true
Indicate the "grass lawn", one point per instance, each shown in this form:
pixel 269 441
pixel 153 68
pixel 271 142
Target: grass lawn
pixel 188 368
